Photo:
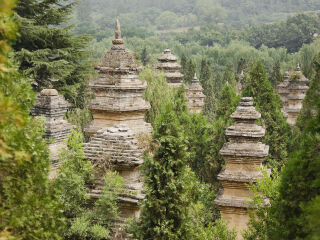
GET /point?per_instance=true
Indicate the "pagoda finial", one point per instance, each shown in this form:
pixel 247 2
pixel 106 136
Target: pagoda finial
pixel 298 68
pixel 117 33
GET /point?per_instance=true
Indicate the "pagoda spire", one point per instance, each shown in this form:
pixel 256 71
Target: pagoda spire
pixel 117 32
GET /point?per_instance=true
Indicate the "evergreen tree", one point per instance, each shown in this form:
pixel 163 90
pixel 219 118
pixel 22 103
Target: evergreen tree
pixel 48 53
pixel 268 102
pixel 227 103
pixel 164 213
pixel 189 71
pixel 27 208
pixel 276 75
pixel 76 175
pixel 300 180
pixel 144 56
pixel 183 63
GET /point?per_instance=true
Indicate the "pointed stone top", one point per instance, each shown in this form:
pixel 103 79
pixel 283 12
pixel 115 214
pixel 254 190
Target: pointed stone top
pixel 242 73
pixel 246 111
pixel 286 75
pixel 195 79
pixel 167 56
pixel 298 69
pixel 117 34
pixel 167 51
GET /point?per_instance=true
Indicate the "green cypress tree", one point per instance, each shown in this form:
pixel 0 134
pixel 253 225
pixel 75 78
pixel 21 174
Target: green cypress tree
pixel 268 102
pixel 300 180
pixel 48 53
pixel 183 63
pixel 27 208
pixel 276 75
pixel 144 56
pixel 227 103
pixel 189 72
pixel 164 213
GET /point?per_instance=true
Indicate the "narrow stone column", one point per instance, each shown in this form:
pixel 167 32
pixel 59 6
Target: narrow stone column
pixel 243 153
pixel 53 107
pixel 283 91
pixel 195 95
pixel 168 63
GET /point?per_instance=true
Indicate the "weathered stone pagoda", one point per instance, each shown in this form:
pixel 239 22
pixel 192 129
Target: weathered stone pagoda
pixel 283 91
pixel 118 91
pixel 297 89
pixel 195 96
pixel 168 63
pixel 53 107
pixel 118 122
pixel 243 153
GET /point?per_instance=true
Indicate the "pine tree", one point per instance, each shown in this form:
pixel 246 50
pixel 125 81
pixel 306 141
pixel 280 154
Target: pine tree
pixel 300 180
pixel 268 102
pixel 227 103
pixel 189 71
pixel 48 53
pixel 183 63
pixel 27 208
pixel 144 56
pixel 276 75
pixel 164 213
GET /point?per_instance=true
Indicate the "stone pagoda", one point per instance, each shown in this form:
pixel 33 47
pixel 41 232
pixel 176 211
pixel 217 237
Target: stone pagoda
pixel 53 107
pixel 118 125
pixel 117 148
pixel 297 89
pixel 168 63
pixel 195 95
pixel 243 153
pixel 283 91
pixel 118 91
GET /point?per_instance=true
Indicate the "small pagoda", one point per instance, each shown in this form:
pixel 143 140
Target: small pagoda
pixel 243 153
pixel 297 89
pixel 168 63
pixel 283 91
pixel 195 95
pixel 53 107
pixel 118 91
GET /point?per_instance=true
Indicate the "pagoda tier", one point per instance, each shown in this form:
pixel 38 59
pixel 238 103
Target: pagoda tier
pixel 195 95
pixel 53 107
pixel 243 153
pixel 116 148
pixel 118 91
pixel 297 88
pixel 168 63
pixel 292 92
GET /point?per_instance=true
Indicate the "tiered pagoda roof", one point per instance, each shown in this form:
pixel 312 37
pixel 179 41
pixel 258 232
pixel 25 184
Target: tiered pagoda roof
pixel 168 63
pixel 243 153
pixel 195 95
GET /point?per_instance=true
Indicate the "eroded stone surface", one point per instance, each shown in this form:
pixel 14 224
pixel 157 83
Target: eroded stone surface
pixel 195 96
pixel 168 63
pixel 292 92
pixel 118 91
pixel 118 121
pixel 243 153
pixel 53 107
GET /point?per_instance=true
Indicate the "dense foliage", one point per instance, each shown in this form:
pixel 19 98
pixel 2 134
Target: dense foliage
pixel 27 208
pixel 48 53
pixel 76 176
pixel 269 104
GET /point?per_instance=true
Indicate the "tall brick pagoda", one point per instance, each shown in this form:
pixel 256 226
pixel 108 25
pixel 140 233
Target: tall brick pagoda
pixel 118 91
pixel 243 153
